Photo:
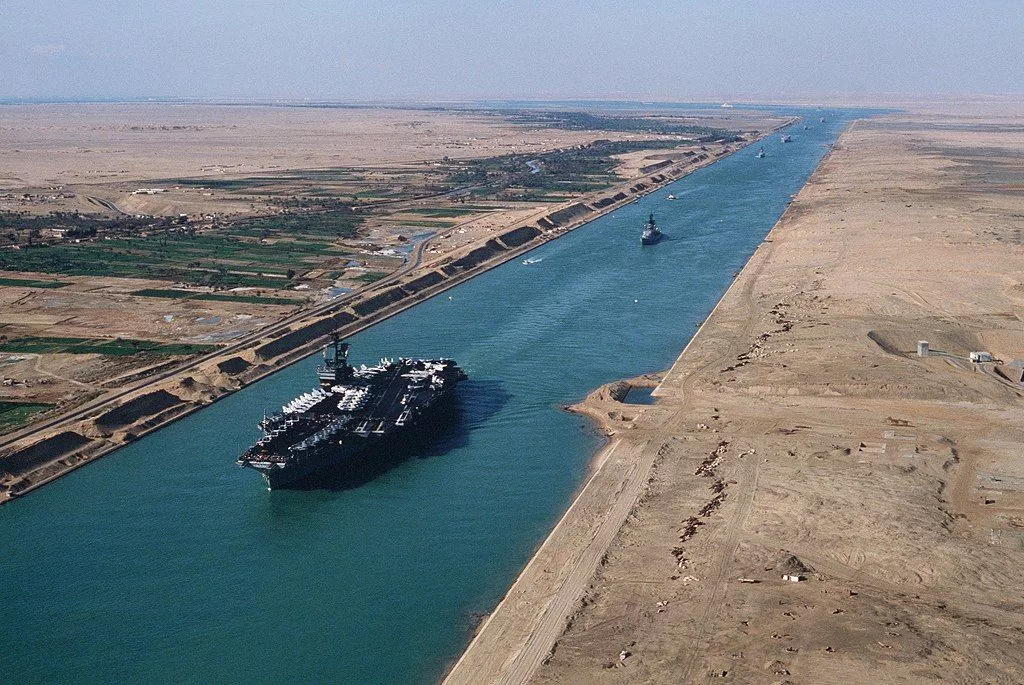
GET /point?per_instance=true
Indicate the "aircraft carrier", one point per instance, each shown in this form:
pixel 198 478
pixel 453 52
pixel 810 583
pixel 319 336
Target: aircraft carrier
pixel 349 414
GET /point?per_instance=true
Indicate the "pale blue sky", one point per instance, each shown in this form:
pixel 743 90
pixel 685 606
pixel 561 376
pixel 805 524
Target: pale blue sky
pixel 624 49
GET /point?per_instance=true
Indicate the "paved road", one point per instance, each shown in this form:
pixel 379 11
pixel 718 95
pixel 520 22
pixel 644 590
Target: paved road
pixel 106 204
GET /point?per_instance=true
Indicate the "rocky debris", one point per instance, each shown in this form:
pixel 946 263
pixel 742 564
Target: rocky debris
pixel 715 502
pixel 616 391
pixel 689 528
pixel 711 462
pixel 790 564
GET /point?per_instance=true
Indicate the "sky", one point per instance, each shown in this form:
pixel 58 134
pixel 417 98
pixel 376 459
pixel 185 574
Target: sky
pixel 464 50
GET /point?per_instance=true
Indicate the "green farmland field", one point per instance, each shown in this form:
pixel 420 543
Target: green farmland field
pixel 30 283
pixel 117 347
pixel 16 414
pixel 215 297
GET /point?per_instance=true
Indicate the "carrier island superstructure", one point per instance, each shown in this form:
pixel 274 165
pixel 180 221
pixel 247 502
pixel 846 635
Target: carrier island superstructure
pixel 351 414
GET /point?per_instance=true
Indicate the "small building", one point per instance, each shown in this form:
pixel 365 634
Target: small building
pixel 922 348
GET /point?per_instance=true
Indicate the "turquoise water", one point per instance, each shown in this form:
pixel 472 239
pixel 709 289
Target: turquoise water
pixel 165 562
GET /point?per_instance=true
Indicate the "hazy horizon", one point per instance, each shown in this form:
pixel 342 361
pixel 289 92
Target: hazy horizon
pixel 429 51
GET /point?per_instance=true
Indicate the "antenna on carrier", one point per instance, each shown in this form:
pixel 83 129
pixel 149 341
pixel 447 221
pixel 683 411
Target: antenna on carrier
pixel 335 367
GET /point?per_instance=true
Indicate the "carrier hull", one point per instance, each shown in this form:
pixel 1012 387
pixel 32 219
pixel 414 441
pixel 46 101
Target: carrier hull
pixel 352 420
pixel 337 462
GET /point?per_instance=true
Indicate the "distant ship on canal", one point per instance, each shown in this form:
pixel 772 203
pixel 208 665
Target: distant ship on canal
pixel 786 138
pixel 652 233
pixel 353 412
pixel 760 153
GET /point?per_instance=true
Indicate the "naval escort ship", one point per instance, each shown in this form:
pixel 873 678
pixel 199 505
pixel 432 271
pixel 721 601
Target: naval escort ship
pixel 652 233
pixel 351 412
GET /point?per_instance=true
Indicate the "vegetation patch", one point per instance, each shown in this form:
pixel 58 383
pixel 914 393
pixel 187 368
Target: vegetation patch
pixel 554 174
pixel 338 223
pixel 213 297
pixel 16 414
pixel 452 211
pixel 585 121
pixel 118 347
pixel 30 283
pixel 370 276
pixel 429 224
pixel 257 252
pixel 73 224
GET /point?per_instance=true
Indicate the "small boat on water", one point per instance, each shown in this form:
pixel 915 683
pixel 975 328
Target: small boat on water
pixel 652 233
pixel 786 138
pixel 670 197
pixel 760 153
pixel 532 260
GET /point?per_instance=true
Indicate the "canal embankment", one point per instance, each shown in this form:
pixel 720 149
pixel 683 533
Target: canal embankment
pixel 31 461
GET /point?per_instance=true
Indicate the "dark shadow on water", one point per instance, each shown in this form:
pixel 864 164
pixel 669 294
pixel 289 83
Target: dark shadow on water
pixel 447 427
pixel 639 396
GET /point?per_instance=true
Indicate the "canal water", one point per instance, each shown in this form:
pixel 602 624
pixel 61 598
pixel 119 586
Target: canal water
pixel 165 562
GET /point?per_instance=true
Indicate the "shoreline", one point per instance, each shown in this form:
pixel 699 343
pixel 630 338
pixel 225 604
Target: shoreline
pixel 633 189
pixel 507 646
